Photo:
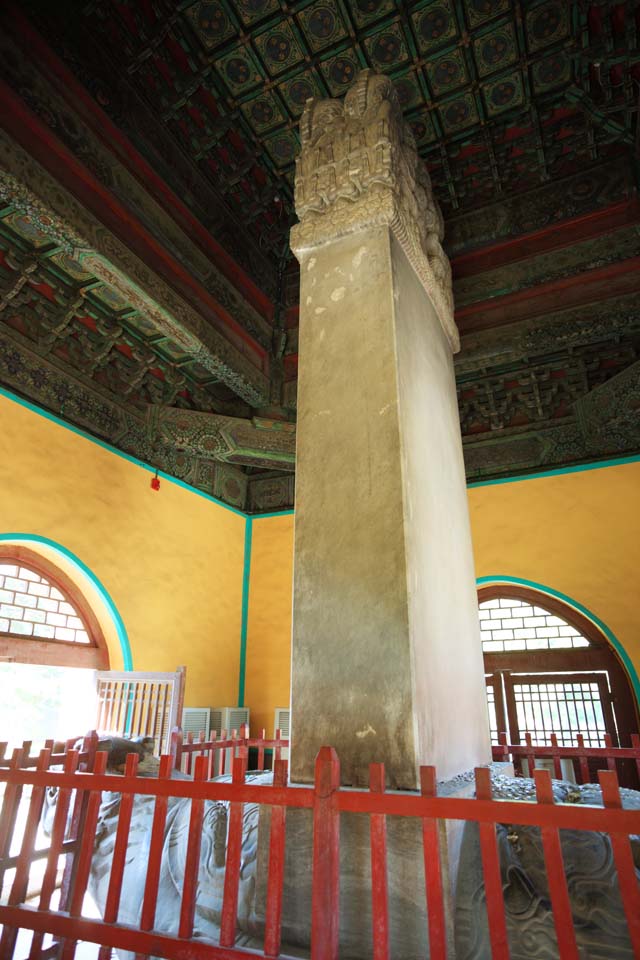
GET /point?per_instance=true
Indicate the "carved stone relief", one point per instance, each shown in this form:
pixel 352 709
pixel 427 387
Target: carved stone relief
pixel 359 168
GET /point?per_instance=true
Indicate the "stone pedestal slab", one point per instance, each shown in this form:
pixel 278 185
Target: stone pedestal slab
pixel 405 871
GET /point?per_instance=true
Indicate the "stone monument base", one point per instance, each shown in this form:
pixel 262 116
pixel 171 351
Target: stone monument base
pixel 408 933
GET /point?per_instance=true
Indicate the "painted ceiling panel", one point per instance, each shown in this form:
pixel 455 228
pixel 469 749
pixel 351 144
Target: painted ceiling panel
pixel 525 114
pixel 556 81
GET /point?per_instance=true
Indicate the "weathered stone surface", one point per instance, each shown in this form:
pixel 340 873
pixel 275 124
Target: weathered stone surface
pixel 385 627
pixel 599 921
pixel 405 872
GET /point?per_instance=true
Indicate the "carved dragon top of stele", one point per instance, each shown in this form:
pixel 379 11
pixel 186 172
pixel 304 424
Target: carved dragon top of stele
pixel 359 168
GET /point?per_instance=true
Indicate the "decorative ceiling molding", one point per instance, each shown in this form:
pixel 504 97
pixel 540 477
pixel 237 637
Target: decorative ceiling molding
pixel 25 185
pixel 113 111
pixel 611 412
pixel 268 443
pixel 85 404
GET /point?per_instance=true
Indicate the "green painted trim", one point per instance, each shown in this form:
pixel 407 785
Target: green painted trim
pixel 559 472
pixel 611 637
pixel 121 630
pixel 119 453
pixel 276 513
pixel 244 617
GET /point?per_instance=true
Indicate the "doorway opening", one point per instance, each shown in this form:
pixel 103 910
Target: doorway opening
pixel 50 648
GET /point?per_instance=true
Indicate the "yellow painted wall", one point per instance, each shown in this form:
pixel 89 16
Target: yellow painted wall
pixel 269 625
pixel 171 560
pixel 578 533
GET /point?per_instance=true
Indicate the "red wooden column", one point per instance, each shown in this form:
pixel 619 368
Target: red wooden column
pixel 325 902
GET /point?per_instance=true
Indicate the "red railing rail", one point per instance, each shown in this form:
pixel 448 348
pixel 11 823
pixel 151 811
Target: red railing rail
pixel 58 751
pixel 220 751
pixel 327 801
pixel 608 756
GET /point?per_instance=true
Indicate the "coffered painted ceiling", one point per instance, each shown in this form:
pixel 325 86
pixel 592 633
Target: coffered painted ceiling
pixel 149 156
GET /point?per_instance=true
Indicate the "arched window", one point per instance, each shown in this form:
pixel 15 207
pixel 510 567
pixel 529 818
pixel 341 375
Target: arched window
pixel 507 623
pixel 44 618
pixel 550 670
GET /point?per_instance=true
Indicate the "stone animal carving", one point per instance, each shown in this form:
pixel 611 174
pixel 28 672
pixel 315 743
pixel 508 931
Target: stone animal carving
pixel 116 749
pixel 210 889
pixel 212 856
pixel 600 925
pixel 599 921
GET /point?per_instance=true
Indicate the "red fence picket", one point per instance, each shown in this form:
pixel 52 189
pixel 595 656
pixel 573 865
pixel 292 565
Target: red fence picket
pixel 216 748
pixel 148 913
pixel 55 850
pixel 192 863
pixel 491 871
pixel 275 879
pixel 433 872
pixel 325 912
pixel 21 877
pixel 623 856
pixel 379 891
pixel 234 854
pixel 560 903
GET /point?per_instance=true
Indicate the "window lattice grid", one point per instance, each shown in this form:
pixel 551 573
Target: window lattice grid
pixel 566 709
pixel 493 719
pixel 31 606
pixel 507 624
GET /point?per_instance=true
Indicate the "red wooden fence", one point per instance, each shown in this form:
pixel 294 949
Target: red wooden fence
pixel 327 801
pixel 584 759
pixel 220 750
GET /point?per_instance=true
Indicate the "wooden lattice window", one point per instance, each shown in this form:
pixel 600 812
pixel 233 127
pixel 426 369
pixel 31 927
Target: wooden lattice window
pixel 507 623
pixel 43 616
pixel 549 669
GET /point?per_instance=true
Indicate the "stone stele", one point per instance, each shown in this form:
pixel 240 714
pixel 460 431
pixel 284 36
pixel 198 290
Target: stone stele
pixel 387 661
